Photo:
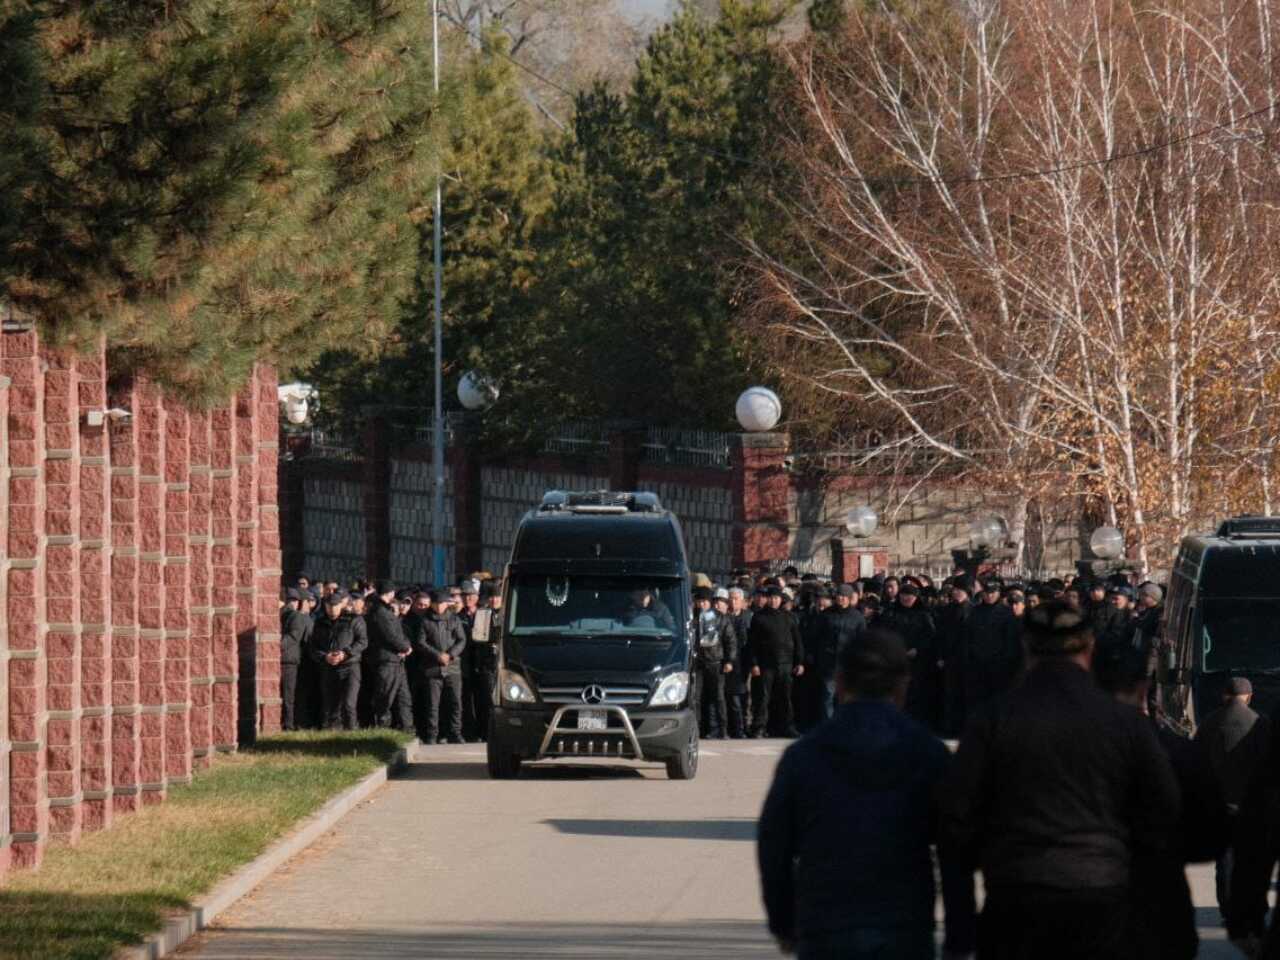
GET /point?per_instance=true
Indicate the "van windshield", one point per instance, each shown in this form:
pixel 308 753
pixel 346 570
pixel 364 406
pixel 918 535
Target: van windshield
pixel 1241 634
pixel 579 605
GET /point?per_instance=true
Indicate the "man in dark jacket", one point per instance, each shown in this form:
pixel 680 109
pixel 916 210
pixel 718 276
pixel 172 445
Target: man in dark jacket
pixel 438 648
pixel 953 620
pixel 844 837
pixel 842 625
pixel 484 643
pixel 777 655
pixel 1236 741
pixel 738 683
pixel 1054 790
pixel 992 649
pixel 388 649
pixel 914 624
pixel 295 638
pixel 715 648
pixel 337 648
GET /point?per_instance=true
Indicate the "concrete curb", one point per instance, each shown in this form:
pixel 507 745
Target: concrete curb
pixel 178 930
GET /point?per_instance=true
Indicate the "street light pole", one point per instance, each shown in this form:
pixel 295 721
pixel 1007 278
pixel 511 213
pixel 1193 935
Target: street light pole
pixel 437 444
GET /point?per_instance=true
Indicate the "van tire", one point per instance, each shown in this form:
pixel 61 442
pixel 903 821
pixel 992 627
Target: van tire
pixel 684 766
pixel 502 765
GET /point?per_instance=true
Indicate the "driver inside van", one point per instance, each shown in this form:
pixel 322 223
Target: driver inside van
pixel 646 611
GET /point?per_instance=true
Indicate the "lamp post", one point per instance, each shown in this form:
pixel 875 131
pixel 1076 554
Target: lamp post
pixel 985 532
pixel 758 409
pixel 475 391
pixel 1107 544
pixel 437 417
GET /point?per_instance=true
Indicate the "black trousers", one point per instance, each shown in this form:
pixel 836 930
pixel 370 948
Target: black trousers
pixel 448 687
pixel 391 694
pixel 479 695
pixel 1016 929
pixel 340 689
pixel 289 696
pixel 708 698
pixel 771 702
pixel 736 704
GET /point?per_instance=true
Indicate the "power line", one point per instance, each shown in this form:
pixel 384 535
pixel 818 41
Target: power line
pixel 1035 174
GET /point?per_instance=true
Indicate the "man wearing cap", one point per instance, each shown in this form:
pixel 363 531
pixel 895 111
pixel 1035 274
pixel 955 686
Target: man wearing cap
pixel 842 624
pixel 388 649
pixel 295 635
pixel 910 620
pixel 438 649
pixel 715 649
pixel 1236 740
pixel 993 658
pixel 1054 791
pixel 470 590
pixel 777 655
pixel 486 640
pixel 953 620
pixel 337 648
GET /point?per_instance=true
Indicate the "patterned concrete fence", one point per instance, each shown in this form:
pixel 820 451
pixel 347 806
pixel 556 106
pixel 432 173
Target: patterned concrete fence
pixel 365 511
pixel 140 568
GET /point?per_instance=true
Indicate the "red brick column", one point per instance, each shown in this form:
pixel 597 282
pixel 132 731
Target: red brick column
pixel 201 610
pixel 5 747
pixel 246 569
pixel 626 444
pixel 177 625
pixel 126 716
pixel 761 500
pixel 95 647
pixel 24 597
pixel 222 514
pixel 62 601
pixel 267 581
pixel 150 420
pixel 463 462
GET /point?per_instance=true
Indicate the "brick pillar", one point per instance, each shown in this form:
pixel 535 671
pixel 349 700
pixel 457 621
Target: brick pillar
pixel 95 641
pixel 126 716
pixel 24 596
pixel 377 494
pixel 150 419
pixel 201 597
pixel 267 582
pixel 246 568
pixel 464 463
pixel 626 444
pixel 761 500
pixel 5 747
pixel 222 573
pixel 854 559
pixel 177 625
pixel 62 600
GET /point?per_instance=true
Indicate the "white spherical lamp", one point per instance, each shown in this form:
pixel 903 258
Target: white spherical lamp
pixel 758 409
pixel 986 532
pixel 475 391
pixel 1107 543
pixel 862 521
pixel 295 408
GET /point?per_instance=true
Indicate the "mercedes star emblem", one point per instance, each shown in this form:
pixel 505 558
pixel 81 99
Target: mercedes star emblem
pixel 593 694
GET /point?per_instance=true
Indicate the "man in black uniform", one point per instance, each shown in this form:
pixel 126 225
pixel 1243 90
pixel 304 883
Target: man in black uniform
pixel 438 648
pixel 993 649
pixel 842 624
pixel 715 648
pixel 738 683
pixel 486 637
pixel 470 594
pixel 777 654
pixel 387 651
pixel 911 621
pixel 295 637
pixel 336 647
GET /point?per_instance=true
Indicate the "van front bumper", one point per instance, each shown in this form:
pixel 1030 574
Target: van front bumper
pixel 542 731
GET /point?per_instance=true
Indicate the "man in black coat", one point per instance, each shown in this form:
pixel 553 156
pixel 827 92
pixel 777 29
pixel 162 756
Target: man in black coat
pixel 777 655
pixel 993 657
pixel 388 649
pixel 910 620
pixel 953 620
pixel 337 648
pixel 842 624
pixel 715 648
pixel 295 638
pixel 1054 791
pixel 438 647
pixel 738 683
pixel 845 835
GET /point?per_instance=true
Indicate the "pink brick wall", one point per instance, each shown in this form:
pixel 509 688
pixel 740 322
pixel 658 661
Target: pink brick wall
pixel 133 552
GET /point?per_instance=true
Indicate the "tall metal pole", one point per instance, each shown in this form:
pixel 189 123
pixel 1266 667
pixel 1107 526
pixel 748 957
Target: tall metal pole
pixel 437 446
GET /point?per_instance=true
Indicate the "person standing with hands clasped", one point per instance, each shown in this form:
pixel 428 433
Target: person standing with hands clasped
pixel 336 646
pixel 438 648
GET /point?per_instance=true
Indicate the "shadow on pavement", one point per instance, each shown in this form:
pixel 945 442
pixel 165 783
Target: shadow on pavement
pixel 660 829
pixel 702 940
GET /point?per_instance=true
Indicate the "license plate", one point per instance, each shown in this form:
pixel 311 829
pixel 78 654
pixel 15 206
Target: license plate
pixel 593 720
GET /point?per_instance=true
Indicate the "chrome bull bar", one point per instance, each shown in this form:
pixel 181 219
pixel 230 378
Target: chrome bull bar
pixel 554 730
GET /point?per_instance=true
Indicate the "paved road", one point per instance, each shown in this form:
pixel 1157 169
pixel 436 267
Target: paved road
pixel 564 862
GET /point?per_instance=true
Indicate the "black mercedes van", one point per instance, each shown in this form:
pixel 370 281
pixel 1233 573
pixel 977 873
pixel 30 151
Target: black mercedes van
pixel 1222 619
pixel 595 656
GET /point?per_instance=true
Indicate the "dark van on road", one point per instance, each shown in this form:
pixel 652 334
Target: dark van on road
pixel 1222 618
pixel 595 657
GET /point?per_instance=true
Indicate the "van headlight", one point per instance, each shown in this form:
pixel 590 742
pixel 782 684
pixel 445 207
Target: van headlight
pixel 671 691
pixel 515 689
